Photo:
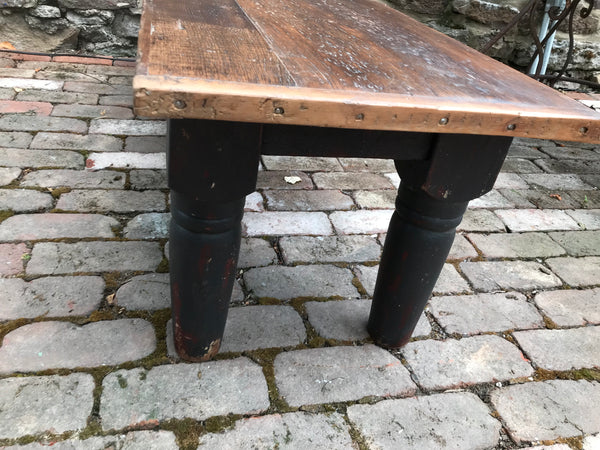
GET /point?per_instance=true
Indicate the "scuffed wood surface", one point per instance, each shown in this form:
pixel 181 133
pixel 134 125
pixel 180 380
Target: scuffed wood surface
pixel 337 63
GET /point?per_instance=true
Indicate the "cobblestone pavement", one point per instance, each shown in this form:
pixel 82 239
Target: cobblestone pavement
pixel 506 355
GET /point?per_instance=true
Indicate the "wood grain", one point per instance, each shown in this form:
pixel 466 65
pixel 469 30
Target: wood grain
pixel 336 63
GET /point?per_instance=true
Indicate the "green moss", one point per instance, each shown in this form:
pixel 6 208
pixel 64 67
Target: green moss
pixel 550 324
pixel 163 267
pixel 57 192
pixel 578 374
pixel 122 381
pixel 269 301
pixel 265 358
pixel 187 432
pixel 7 327
pixel 221 423
pixel 5 214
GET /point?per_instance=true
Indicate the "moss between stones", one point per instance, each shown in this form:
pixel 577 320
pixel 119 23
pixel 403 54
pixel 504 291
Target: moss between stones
pixel 5 214
pixel 187 432
pixel 578 374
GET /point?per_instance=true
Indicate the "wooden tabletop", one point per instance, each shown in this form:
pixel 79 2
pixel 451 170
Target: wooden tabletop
pixel 336 63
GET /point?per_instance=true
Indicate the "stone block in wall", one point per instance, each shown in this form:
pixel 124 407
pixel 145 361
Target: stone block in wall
pixel 18 4
pixel 429 7
pixel 25 38
pixel 581 25
pixel 49 26
pixel 488 11
pixel 45 12
pixel 90 17
pixel 126 25
pixel 97 4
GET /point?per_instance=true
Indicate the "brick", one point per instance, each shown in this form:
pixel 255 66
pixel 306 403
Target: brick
pixel 68 141
pixel 145 144
pixel 518 165
pixel 286 223
pixel 361 221
pixel 385 199
pixel 321 200
pixel 50 258
pixel 577 271
pixel 148 226
pixel 589 220
pixel 37 108
pixel 57 96
pixel 349 180
pixel 549 410
pixel 76 179
pixel 574 348
pixel 461 420
pixel 254 202
pixel 536 220
pixel 49 297
pixel 339 374
pixel 97 88
pixel 15 139
pixel 510 181
pixel 516 245
pixel 148 292
pixel 570 166
pixel 28 83
pixel 304 163
pixel 8 175
pixel 492 199
pixel 571 307
pixel 458 363
pixel 98 161
pixel 277 180
pixel 483 313
pixel 578 243
pixel 565 182
pixel 117 201
pixel 461 249
pixel 52 345
pixel 195 391
pixel 11 258
pixel 326 249
pixel 148 179
pixel 32 405
pixel 292 430
pixel 262 326
pixel 24 200
pixel 129 127
pixel 92 111
pixel 116 100
pixel 255 252
pixel 31 227
pixel 302 281
pixel 164 440
pixel 367 165
pixel 346 320
pixel 481 220
pixel 490 276
pixel 24 122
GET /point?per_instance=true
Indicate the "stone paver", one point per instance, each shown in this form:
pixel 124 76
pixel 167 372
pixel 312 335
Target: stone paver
pixel 549 410
pixel 321 200
pixel 256 252
pixel 16 157
pixel 458 420
pixel 49 297
pixel 474 314
pixel 349 180
pixel 555 181
pixel 148 179
pixel 286 223
pixel 284 431
pixel 323 249
pixel 35 405
pixel 571 307
pixel 384 199
pixel 15 139
pixel 510 181
pixel 8 175
pixel 516 245
pixel 338 374
pixel 458 363
pixel 128 127
pixel 492 199
pixel 49 258
pixel 50 345
pixel 302 281
pixel 145 144
pixel 24 200
pixel 305 163
pixel 450 282
pixel 97 161
pixel 77 179
pixel 346 320
pixel 574 348
pixel 361 221
pixel 489 276
pixel 136 440
pixel 589 220
pixel 117 201
pixel 577 271
pixel 461 249
pixel 145 292
pixel 31 227
pixel 148 226
pixel 591 442
pixel 12 257
pixel 197 391
pixel 283 180
pixel 367 165
pixel 92 111
pixel 26 122
pixel 579 243
pixel 68 141
pixel 481 220
pixel 536 220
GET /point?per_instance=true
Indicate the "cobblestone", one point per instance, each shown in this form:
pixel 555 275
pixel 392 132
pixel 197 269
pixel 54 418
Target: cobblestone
pixel 96 88
pixel 148 292
pixel 24 200
pixel 480 313
pixel 536 220
pixel 148 226
pixel 276 180
pixel 196 391
pixel 349 180
pixel 148 179
pixel 136 440
pixel 24 83
pixel 31 227
pixel 384 199
pixel 362 221
pixel 516 245
pixel 292 430
pixel 461 249
pixel 461 421
pixel 574 348
pixel 145 144
pixel 579 243
pixel 255 252
pixel 33 405
pixel 338 374
pixel 116 201
pixel 577 271
pixel 98 161
pixel 286 283
pixel 49 258
pixel 76 179
pixel 325 249
pixel 128 127
pixel 15 139
pixel 518 165
pixel 492 199
pixel 589 220
pixel 25 122
pixel 490 276
pixel 510 181
pixel 41 95
pixel 555 181
pixel 51 345
pixel 549 410
pixel 321 200
pixel 367 164
pixel 303 163
pixel 49 297
pixel 92 111
pixel 8 175
pixel 116 100
pixel 40 158
pixel 12 257
pixel 68 141
pixel 286 223
pixel 571 307
pixel 450 282
pixel 481 220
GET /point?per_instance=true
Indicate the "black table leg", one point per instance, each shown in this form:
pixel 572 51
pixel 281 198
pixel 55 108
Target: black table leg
pixel 212 167
pixel 432 198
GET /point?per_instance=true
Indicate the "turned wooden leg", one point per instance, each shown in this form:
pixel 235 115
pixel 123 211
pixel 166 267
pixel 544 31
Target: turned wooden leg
pixel 432 198
pixel 212 167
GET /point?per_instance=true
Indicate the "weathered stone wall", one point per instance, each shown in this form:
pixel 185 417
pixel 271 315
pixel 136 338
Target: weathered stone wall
pixel 109 27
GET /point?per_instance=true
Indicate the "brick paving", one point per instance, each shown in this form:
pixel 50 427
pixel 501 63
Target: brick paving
pixel 504 357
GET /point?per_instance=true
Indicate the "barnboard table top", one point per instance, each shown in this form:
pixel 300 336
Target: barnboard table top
pixel 336 63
